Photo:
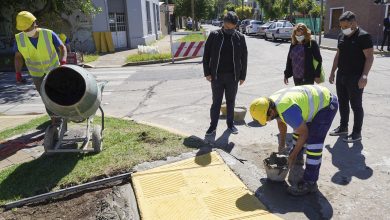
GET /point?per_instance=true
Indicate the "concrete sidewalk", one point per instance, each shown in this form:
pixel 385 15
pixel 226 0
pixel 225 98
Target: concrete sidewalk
pixel 23 147
pixel 331 44
pixel 7 121
pixel 118 59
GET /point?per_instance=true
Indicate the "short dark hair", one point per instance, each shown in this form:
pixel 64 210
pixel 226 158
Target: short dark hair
pixel 231 17
pixel 348 16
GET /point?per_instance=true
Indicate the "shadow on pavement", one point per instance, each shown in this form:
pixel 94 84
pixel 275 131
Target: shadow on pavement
pixel 30 140
pixel 254 124
pixel 10 92
pixel 350 161
pixel 208 143
pixel 274 194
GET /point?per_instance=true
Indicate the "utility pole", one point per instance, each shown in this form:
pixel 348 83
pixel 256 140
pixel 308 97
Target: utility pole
pixel 321 21
pixel 167 17
pixel 193 14
pixel 291 10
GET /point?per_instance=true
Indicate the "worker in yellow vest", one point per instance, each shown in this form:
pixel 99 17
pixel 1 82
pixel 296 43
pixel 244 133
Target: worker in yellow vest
pixel 37 48
pixel 309 110
pixel 65 40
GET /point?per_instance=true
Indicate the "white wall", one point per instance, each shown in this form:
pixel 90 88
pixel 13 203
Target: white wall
pixel 100 21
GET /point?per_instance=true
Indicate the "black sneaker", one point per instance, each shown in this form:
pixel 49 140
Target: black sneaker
pixel 302 189
pixel 353 138
pixel 339 131
pixel 211 131
pixel 233 130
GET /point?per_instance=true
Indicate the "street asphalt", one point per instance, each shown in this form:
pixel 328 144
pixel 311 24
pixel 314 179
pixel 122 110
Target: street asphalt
pixel 354 178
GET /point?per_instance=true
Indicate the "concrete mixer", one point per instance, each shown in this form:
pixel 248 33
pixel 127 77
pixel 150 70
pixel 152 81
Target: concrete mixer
pixel 73 95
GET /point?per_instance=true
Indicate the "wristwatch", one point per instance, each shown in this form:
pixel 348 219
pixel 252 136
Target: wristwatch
pixel 364 76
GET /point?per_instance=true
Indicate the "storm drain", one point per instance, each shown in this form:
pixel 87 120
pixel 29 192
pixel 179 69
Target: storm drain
pixel 202 187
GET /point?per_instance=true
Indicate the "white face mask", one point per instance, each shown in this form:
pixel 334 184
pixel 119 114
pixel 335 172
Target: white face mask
pixel 347 31
pixel 300 38
pixel 32 32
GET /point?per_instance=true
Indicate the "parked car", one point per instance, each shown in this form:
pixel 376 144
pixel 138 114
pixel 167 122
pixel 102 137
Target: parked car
pixel 279 30
pixel 263 28
pixel 243 25
pixel 238 25
pixel 216 22
pixel 253 27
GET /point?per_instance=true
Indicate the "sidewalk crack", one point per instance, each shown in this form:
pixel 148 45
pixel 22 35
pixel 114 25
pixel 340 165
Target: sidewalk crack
pixel 148 95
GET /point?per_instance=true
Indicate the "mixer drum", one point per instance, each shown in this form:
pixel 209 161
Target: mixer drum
pixel 71 92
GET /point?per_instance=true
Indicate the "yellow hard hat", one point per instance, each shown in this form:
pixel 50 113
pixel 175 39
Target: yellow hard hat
pixel 258 109
pixel 24 20
pixel 63 37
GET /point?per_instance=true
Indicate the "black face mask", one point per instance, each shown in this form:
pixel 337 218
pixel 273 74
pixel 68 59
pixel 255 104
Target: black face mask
pixel 229 31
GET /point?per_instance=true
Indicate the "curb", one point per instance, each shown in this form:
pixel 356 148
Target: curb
pixel 156 61
pixel 171 130
pixel 375 52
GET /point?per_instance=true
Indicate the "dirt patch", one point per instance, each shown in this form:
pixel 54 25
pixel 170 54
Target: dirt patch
pixel 145 137
pixel 90 205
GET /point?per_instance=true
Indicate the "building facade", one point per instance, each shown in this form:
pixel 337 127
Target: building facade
pixel 131 22
pixel 369 16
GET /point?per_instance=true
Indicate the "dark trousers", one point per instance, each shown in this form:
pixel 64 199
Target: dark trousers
pixel 386 36
pixel 38 82
pixel 348 92
pixel 301 82
pixel 224 84
pixel 318 130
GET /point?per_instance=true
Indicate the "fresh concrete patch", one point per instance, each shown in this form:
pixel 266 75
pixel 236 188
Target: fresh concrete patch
pixel 119 204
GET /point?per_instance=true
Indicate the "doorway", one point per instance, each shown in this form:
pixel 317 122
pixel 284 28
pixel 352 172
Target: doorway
pixel 117 22
pixel 335 14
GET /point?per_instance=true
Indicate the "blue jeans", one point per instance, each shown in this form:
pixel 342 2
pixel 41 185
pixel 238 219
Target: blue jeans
pixel 318 130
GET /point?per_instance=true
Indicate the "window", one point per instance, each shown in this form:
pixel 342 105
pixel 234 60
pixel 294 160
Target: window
pixel 117 22
pixel 288 24
pixel 280 25
pixel 148 19
pixel 272 26
pixel 158 17
pixel 335 14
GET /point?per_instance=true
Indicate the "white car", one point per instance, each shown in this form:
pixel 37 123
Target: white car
pixel 216 23
pixel 253 27
pixel 279 30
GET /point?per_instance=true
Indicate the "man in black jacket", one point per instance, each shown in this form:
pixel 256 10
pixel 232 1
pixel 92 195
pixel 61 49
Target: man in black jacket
pixel 225 61
pixel 353 62
pixel 386 32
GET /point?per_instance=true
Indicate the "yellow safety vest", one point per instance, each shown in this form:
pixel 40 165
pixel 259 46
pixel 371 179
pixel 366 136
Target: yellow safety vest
pixel 40 60
pixel 310 99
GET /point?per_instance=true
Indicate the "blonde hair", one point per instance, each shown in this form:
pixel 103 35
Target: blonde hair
pixel 306 32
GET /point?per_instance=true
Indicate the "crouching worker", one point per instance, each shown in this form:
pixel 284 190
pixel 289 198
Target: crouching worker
pixel 309 110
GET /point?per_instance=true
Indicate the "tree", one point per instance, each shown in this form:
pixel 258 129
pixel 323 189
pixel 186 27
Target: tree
pixel 244 14
pixel 276 9
pixel 45 8
pixel 230 6
pixel 204 9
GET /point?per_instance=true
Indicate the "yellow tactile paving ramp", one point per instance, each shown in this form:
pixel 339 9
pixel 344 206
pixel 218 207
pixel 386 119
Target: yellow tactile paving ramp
pixel 199 188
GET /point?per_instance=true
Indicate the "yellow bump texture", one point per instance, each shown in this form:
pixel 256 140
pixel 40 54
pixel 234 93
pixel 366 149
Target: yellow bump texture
pixel 198 188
